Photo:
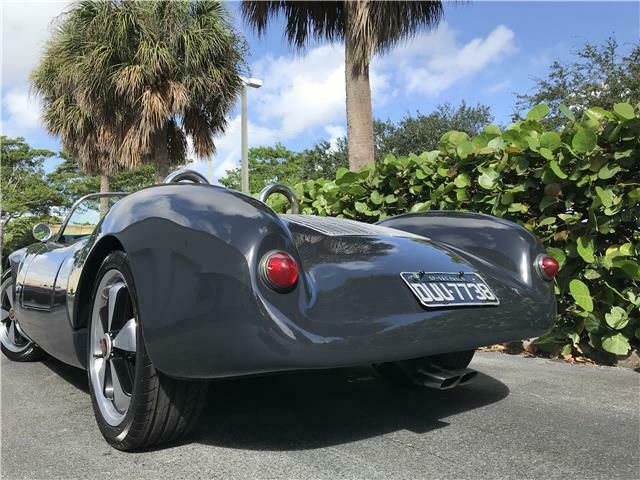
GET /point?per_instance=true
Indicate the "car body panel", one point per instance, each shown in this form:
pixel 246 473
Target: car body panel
pixel 194 251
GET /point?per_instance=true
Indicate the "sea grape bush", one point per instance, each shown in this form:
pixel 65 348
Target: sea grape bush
pixel 577 189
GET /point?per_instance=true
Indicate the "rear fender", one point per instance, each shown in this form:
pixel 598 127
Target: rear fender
pixel 194 252
pixel 491 240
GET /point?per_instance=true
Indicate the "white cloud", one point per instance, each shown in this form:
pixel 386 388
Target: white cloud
pixel 25 29
pixel 434 61
pixel 22 109
pixel 228 148
pixel 335 132
pixel 304 92
pixel 300 94
pixel 497 87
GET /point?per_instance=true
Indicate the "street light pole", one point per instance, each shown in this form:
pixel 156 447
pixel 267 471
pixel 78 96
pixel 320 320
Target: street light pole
pixel 244 130
pixel 245 140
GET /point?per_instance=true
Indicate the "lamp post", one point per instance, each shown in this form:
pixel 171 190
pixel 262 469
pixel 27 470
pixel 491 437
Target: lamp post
pixel 254 83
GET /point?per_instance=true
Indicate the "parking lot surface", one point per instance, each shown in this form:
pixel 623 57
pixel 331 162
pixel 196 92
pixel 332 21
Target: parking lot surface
pixel 521 418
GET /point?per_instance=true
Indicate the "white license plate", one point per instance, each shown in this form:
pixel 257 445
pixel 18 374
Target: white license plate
pixel 449 289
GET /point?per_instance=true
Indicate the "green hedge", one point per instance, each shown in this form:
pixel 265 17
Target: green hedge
pixel 578 190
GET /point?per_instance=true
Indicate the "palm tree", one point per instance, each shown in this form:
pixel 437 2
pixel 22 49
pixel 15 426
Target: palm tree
pixel 367 28
pixel 127 82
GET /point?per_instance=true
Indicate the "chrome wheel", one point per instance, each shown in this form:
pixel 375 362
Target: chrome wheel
pixel 11 335
pixel 112 344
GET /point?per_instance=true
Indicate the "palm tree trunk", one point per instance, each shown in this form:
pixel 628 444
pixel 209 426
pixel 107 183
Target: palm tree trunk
pixel 161 156
pixel 359 114
pixel 104 188
pixel 104 183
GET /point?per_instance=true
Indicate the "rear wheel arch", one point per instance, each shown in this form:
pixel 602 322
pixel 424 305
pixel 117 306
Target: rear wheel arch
pixel 105 246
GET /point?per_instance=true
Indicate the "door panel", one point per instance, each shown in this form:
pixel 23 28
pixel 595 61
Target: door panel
pixel 37 288
pixel 42 288
pixel 44 316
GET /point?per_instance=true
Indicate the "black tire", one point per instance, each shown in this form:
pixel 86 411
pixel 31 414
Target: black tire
pixel 405 373
pixel 161 409
pixel 19 347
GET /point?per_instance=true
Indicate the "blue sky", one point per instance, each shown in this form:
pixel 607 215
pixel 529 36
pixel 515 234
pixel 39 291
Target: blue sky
pixel 483 52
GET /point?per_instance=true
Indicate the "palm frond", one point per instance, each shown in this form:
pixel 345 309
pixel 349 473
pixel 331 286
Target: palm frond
pixel 369 26
pixel 115 76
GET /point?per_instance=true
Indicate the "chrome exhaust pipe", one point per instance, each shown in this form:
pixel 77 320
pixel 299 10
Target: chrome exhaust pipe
pixel 439 378
pixel 467 376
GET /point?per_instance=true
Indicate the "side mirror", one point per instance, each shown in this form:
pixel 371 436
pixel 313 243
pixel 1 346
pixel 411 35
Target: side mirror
pixel 42 232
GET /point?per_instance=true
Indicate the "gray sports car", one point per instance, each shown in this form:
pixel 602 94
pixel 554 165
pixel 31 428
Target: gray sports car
pixel 157 291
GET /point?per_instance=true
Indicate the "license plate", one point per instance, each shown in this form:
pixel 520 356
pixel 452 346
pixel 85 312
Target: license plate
pixel 449 289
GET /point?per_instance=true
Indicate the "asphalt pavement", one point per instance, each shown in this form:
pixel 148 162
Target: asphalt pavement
pixel 521 418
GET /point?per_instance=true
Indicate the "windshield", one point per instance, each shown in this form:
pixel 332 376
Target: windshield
pixel 86 214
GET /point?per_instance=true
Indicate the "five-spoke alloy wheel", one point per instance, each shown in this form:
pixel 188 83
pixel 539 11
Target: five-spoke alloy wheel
pixel 14 342
pixel 135 405
pixel 113 347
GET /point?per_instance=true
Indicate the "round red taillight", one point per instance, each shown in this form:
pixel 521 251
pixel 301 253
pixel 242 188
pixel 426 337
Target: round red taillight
pixel 548 267
pixel 279 271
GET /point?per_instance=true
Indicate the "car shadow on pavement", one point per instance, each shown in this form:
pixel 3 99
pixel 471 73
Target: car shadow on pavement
pixel 75 376
pixel 313 409
pixel 306 410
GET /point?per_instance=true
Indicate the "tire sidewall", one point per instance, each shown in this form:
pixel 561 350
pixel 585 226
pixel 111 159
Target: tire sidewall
pixel 115 435
pixel 31 351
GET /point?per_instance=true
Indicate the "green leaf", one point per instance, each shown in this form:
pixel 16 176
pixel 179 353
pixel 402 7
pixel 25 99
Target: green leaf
pixel 608 171
pixel 376 197
pixel 538 112
pixel 617 318
pixel 347 177
pixel 617 344
pixel 592 323
pixel 464 149
pixel 566 112
pixel 518 207
pixel 624 110
pixel 550 140
pixel 361 207
pixel 497 142
pixel 547 201
pixel 488 179
pixel 506 198
pixel 606 196
pixel 591 274
pixel 546 153
pixel 522 165
pixel 340 172
pixel 585 249
pixel 420 207
pixel 461 195
pixel 455 138
pixel 581 294
pixel 390 198
pixel 626 249
pixel 584 141
pixel 556 169
pixel 462 180
pixel 629 267
pixel 492 130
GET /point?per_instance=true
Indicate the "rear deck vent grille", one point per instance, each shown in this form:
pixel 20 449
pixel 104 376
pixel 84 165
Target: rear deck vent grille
pixel 340 227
